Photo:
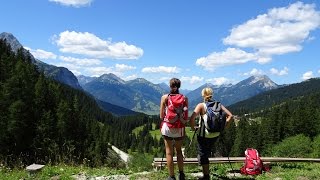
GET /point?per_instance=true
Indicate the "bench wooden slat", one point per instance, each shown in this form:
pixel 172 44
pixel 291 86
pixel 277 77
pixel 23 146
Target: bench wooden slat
pixel 159 161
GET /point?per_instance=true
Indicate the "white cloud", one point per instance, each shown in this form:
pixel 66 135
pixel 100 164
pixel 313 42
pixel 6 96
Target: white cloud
pixel 307 75
pixel 123 67
pixel 74 3
pixel 41 54
pixel 164 79
pixel 80 61
pixel 74 64
pixel 229 57
pixel 161 69
pixel 219 81
pixel 280 31
pixel 254 72
pixel 192 79
pixel 88 44
pixel 98 71
pixel 277 72
pixel 131 77
pixel 319 71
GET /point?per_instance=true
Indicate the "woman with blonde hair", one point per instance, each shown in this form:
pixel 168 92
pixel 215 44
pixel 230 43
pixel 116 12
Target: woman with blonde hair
pixel 205 138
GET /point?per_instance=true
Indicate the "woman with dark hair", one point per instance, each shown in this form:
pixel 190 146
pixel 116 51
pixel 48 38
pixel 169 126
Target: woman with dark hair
pixel 174 115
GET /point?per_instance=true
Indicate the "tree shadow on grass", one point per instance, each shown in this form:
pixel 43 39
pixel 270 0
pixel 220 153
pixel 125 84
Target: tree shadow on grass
pixel 235 174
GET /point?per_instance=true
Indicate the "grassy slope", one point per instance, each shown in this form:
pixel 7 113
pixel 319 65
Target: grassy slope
pixel 278 171
pixel 156 132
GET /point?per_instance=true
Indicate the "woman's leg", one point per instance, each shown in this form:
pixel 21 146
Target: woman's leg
pixel 178 146
pixel 205 146
pixel 205 169
pixel 203 154
pixel 169 155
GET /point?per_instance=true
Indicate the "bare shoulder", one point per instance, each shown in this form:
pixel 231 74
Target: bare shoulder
pixel 164 97
pixel 199 109
pixel 200 106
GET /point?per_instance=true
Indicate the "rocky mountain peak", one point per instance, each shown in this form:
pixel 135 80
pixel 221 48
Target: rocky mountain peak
pixel 84 79
pixel 141 80
pixel 264 81
pixel 60 74
pixel 111 78
pixel 12 40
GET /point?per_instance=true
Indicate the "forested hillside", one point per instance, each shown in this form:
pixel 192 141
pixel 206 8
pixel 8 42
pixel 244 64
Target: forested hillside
pixel 284 122
pixel 290 128
pixel 44 121
pixel 276 96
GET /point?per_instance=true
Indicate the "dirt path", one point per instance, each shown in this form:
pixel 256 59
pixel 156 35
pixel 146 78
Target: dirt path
pixel 124 156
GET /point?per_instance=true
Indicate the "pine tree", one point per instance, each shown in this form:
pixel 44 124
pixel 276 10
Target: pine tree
pixel 240 142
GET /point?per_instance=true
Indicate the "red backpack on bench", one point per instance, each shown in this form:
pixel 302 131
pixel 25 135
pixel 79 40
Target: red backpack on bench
pixel 253 164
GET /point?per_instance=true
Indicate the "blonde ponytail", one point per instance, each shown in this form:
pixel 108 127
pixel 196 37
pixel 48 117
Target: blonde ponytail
pixel 207 94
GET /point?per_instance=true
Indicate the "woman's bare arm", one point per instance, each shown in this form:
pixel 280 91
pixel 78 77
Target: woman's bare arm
pixel 229 115
pixel 162 106
pixel 195 113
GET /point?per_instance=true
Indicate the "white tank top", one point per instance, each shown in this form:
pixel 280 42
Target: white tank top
pixel 202 131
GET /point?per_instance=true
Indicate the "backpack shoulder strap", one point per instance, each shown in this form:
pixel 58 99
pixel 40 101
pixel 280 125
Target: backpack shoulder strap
pixel 201 131
pixel 169 96
pixel 208 104
pixel 167 99
pixel 216 105
pixel 204 107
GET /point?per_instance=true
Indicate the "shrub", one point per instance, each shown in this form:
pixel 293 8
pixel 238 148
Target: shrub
pixel 140 162
pixel 316 147
pixel 295 146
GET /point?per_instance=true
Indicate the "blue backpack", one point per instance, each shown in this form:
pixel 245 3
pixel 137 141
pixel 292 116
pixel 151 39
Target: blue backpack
pixel 216 118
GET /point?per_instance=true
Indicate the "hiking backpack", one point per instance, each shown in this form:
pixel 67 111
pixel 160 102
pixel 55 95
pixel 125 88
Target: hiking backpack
pixel 216 119
pixel 253 164
pixel 176 111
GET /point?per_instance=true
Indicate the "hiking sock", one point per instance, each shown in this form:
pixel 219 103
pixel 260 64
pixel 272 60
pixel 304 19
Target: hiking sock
pixel 205 177
pixel 182 175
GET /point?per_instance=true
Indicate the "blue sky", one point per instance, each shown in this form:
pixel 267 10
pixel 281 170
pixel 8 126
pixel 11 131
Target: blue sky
pixel 199 42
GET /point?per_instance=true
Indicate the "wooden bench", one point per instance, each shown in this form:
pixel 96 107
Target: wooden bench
pixel 158 162
pixel 33 168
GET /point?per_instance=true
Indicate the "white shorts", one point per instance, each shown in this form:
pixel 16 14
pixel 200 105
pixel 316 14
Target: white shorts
pixel 172 132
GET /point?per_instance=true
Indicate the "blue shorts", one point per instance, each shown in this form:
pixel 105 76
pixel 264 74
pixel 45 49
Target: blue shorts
pixel 205 146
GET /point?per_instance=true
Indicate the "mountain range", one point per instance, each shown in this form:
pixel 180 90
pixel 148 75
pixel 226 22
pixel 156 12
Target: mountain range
pixel 277 96
pixel 137 95
pixel 144 96
pixel 121 97
pixel 230 94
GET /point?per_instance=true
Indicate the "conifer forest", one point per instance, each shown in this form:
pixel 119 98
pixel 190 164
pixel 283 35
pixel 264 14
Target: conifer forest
pixel 44 121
